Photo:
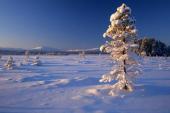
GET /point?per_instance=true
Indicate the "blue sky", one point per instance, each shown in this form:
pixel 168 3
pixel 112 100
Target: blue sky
pixel 70 24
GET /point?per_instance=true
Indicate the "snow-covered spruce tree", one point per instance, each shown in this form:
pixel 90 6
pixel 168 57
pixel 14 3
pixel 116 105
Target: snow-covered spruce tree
pixel 26 58
pixel 36 61
pixel 9 63
pixel 122 35
pixel 82 54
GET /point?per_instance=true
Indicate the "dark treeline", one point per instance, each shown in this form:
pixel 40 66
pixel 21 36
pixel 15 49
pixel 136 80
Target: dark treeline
pixel 153 47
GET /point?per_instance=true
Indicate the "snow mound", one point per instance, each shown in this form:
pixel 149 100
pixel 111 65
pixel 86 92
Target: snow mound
pixel 93 92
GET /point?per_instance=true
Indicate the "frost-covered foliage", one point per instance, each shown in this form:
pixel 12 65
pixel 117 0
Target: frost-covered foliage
pixel 36 61
pixel 9 63
pixel 122 33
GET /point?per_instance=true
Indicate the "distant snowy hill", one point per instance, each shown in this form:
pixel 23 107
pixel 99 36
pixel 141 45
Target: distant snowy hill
pixel 92 49
pixel 87 51
pixel 45 49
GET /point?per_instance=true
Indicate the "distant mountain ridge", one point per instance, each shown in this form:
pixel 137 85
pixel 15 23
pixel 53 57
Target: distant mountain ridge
pixel 47 50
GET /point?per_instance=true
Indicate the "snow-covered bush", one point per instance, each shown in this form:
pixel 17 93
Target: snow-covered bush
pixel 36 61
pixel 122 33
pixel 9 63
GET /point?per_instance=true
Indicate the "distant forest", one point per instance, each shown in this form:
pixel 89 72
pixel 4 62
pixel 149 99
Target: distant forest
pixel 152 47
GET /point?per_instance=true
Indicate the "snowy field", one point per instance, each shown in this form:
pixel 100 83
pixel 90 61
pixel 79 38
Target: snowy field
pixel 69 84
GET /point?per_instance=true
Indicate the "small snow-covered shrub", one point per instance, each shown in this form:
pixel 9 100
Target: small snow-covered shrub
pixel 36 61
pixel 26 58
pixel 82 54
pixel 9 63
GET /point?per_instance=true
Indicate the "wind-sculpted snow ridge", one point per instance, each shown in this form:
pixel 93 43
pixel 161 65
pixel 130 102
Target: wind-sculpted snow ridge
pixel 62 84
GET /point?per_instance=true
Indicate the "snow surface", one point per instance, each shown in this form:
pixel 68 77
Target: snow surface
pixel 70 84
